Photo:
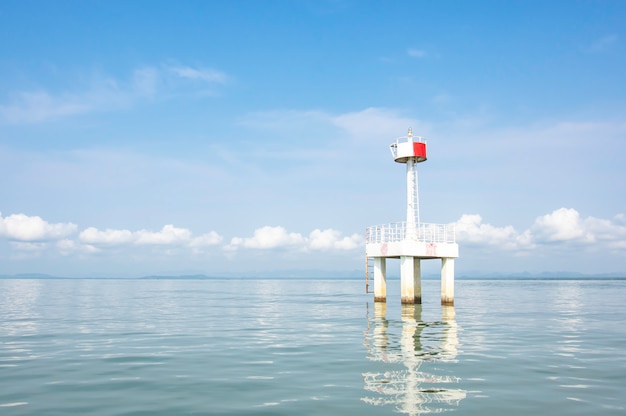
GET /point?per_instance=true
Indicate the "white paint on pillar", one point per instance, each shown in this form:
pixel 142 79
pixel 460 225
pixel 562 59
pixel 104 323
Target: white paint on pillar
pixel 406 279
pixel 447 281
pixel 380 279
pixel 417 280
pixel 410 280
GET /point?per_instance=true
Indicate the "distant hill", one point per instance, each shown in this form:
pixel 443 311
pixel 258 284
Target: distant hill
pixel 541 275
pixel 182 277
pixel 28 276
pixel 326 274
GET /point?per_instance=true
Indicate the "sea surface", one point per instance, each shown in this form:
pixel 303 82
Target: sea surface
pixel 310 347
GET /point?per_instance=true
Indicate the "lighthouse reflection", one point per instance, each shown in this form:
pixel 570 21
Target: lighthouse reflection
pixel 403 348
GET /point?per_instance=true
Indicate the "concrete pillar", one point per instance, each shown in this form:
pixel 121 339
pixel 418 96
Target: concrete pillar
pixel 447 281
pixel 380 279
pixel 417 281
pixel 410 280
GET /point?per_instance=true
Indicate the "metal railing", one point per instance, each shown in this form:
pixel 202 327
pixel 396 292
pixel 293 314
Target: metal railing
pixel 397 231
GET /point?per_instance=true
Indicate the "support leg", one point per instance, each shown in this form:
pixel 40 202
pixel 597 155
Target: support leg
pixel 447 281
pixel 410 280
pixel 417 281
pixel 380 279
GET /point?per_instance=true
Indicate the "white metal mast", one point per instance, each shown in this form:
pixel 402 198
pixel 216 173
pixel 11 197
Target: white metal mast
pixel 412 195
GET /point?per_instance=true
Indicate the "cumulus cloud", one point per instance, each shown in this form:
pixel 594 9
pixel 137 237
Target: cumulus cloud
pixel 331 239
pixel 209 239
pixel 21 227
pixel 269 237
pixel 471 229
pixel 92 235
pixel 167 236
pixel 68 247
pixel 562 226
pixel 566 225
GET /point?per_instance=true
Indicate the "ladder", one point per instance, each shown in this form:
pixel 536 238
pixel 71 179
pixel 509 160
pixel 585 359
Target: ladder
pixel 369 272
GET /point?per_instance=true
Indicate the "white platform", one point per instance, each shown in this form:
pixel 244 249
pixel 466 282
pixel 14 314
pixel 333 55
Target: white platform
pixel 411 244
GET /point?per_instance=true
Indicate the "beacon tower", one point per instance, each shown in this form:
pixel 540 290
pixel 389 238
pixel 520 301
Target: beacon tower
pixel 411 241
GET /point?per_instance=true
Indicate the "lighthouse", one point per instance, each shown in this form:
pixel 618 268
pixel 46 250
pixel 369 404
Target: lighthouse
pixel 411 241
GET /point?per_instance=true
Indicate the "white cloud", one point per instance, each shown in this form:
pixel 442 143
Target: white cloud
pixel 471 229
pixel 331 239
pixel 566 225
pixel 370 124
pixel 25 228
pixel 373 123
pixel 209 239
pixel 416 53
pixel 604 230
pixel 68 247
pixel 103 93
pixel 201 74
pixel 92 235
pixel 323 240
pixel 268 237
pixel 465 141
pixel 562 226
pixel 167 236
pixel 38 106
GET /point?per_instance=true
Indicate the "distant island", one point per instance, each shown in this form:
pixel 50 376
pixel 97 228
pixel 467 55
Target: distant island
pixel 331 275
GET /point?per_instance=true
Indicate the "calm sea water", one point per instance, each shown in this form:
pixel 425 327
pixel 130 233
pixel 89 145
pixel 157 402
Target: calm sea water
pixel 302 347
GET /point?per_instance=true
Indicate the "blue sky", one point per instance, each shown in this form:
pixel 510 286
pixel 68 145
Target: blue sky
pixel 240 136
